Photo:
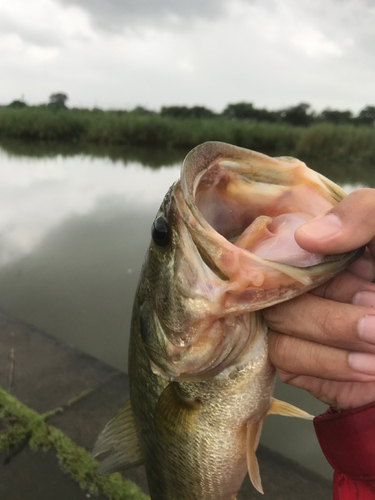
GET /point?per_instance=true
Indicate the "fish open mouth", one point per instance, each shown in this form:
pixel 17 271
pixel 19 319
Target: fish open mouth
pixel 259 213
pixel 242 208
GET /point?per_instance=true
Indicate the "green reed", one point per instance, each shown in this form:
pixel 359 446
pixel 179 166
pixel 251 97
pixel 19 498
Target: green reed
pixel 130 129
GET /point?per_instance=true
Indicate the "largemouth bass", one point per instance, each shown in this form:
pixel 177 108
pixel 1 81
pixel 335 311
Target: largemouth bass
pixel 201 381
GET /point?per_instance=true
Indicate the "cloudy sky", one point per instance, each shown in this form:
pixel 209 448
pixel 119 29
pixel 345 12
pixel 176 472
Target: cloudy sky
pixel 124 53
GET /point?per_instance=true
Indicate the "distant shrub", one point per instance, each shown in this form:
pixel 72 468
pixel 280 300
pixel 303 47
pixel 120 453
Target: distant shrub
pixel 58 100
pixel 246 111
pixel 186 112
pixel 300 115
pixel 335 116
pixel 366 116
pixel 17 104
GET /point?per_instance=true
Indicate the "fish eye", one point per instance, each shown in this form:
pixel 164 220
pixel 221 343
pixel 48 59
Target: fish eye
pixel 160 232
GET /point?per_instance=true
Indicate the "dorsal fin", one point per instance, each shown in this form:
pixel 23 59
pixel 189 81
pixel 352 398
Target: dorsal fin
pixel 117 447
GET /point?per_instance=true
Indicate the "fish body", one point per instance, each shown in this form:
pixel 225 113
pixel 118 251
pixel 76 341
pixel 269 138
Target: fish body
pixel 201 381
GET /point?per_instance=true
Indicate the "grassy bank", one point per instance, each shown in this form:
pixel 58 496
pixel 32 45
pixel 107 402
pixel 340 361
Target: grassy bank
pixel 21 426
pixel 127 128
pixel 131 129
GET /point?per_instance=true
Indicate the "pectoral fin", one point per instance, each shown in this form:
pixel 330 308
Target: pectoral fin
pixel 254 430
pixel 287 410
pixel 174 415
pixel 117 447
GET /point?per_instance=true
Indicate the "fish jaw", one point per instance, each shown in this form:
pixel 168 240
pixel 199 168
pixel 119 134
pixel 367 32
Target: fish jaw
pixel 242 209
pixel 232 214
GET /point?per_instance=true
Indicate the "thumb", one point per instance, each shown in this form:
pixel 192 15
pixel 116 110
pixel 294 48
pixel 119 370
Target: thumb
pixel 349 225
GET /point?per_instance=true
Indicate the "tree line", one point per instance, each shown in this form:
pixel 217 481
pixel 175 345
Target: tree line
pixel 299 115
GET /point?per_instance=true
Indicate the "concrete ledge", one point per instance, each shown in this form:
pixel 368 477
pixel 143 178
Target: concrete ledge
pixel 47 373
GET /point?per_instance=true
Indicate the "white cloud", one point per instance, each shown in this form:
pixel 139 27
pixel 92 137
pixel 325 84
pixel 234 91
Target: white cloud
pixel 120 15
pixel 314 43
pixel 40 55
pixel 271 53
pixel 43 22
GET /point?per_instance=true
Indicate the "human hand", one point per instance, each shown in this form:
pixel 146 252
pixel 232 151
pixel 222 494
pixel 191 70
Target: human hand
pixel 324 341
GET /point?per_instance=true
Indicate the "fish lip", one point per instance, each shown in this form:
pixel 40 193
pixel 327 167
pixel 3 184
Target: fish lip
pixel 217 154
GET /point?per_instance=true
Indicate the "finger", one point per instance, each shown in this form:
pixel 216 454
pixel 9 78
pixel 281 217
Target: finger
pixel 336 324
pixel 344 287
pixel 362 362
pixel 340 395
pixel 347 226
pixel 364 267
pixel 307 358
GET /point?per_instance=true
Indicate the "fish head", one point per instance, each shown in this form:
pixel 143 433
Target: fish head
pixel 223 248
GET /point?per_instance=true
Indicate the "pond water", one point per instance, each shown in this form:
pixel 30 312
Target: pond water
pixel 75 226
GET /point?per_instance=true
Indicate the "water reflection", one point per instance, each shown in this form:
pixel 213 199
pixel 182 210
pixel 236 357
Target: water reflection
pixel 153 158
pixel 73 235
pixel 37 195
pixel 78 283
pixel 75 225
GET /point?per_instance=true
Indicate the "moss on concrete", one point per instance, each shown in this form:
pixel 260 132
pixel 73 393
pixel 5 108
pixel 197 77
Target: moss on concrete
pixel 25 426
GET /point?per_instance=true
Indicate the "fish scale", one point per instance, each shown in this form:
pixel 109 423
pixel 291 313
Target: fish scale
pixel 201 381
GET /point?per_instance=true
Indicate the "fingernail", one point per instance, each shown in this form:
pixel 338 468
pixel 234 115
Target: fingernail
pixel 366 329
pixel 363 268
pixel 322 227
pixel 364 299
pixel 362 362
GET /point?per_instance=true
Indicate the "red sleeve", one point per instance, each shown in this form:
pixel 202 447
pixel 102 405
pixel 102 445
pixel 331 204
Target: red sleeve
pixel 347 439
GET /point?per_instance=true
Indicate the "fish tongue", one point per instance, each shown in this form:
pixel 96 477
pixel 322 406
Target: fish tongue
pixel 273 239
pixel 257 231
